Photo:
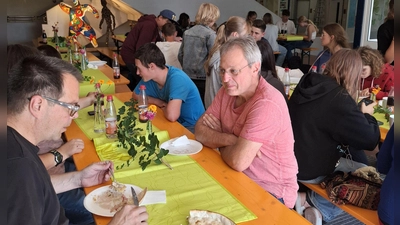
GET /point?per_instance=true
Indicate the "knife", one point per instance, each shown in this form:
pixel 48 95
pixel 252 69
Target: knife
pixel 134 196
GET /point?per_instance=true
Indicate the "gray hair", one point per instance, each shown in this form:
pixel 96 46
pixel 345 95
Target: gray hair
pixel 248 46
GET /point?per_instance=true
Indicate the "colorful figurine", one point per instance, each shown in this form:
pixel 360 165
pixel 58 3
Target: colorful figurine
pixel 107 15
pixel 78 24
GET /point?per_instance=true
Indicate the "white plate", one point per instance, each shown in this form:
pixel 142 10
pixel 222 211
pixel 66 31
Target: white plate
pixel 192 148
pixel 97 63
pixel 208 217
pixel 95 208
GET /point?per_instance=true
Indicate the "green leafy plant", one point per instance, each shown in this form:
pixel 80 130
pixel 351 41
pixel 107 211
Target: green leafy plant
pixel 144 147
pixel 387 111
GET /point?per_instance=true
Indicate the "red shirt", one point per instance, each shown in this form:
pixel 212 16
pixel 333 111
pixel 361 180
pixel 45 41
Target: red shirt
pixel 385 81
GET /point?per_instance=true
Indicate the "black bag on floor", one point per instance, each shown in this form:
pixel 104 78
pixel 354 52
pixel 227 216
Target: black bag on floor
pixel 294 62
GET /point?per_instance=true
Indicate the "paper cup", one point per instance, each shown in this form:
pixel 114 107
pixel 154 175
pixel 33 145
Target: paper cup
pixel 391 120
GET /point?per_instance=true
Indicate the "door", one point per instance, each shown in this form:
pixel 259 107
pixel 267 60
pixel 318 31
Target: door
pixel 335 12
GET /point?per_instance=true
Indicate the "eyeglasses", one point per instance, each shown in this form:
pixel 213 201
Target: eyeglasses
pixel 72 107
pixel 231 71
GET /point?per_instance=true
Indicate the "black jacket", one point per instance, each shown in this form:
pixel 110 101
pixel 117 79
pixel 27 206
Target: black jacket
pixel 324 116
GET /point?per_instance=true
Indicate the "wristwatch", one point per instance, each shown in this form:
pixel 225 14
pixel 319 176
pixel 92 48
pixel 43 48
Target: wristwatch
pixel 58 158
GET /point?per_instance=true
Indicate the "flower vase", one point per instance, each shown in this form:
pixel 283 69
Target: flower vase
pixel 149 127
pixel 99 121
pixel 373 97
pixel 56 39
pixel 83 62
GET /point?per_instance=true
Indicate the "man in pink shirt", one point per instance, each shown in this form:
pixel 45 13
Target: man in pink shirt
pixel 250 124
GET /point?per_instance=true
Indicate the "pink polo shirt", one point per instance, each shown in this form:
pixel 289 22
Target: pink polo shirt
pixel 264 119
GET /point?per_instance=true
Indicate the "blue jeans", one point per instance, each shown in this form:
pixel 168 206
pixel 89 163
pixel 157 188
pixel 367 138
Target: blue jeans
pixel 290 45
pixel 72 202
pixel 281 57
pixel 329 210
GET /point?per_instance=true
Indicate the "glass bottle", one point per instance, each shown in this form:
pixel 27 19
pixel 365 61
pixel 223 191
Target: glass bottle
pixel 83 59
pixel 99 125
pixel 142 104
pixel 115 66
pixel 69 55
pixel 390 101
pixel 99 94
pixel 44 37
pixel 111 118
pixel 286 81
pixel 321 70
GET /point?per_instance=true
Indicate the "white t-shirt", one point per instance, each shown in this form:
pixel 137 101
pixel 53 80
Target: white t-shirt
pixel 271 34
pixel 291 29
pixel 170 51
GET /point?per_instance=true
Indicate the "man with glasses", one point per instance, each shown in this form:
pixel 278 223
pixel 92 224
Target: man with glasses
pixel 42 96
pixel 249 122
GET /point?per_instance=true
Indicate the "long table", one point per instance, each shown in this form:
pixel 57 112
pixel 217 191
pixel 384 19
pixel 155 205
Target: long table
pixel 267 208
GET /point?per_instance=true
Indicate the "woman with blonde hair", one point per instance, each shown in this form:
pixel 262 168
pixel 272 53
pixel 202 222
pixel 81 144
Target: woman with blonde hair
pixel 309 36
pixel 328 126
pixel 376 73
pixel 235 27
pixel 333 38
pixel 196 43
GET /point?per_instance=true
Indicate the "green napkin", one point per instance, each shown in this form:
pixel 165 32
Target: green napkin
pixel 381 117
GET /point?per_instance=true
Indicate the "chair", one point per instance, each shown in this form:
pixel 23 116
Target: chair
pixel 306 52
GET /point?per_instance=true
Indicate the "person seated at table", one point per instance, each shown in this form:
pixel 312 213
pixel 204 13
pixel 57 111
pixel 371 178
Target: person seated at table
pixel 309 36
pixel 268 69
pixel 170 47
pixel 327 122
pixel 333 38
pixel 184 24
pixel 235 27
pixel 249 122
pixel 167 87
pixel 42 96
pixel 197 43
pixel 271 34
pixel 251 16
pixel 54 153
pixel 385 165
pixel 146 30
pixel 285 25
pixel 376 73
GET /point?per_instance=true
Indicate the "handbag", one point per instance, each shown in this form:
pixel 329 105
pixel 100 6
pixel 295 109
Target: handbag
pixel 361 188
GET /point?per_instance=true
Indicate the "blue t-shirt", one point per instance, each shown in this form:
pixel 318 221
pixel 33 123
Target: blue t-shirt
pixel 322 58
pixel 178 85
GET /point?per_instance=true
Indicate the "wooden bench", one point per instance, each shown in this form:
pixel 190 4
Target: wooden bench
pixel 108 52
pixel 369 217
pixel 306 52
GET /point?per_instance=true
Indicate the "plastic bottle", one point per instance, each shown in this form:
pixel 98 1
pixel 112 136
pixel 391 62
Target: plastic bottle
pixel 111 118
pixel 44 37
pixel 286 81
pixel 142 104
pixel 321 70
pixel 115 65
pixel 314 69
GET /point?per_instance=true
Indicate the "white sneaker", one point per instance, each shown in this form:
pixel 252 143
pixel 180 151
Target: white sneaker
pixel 300 202
pixel 313 215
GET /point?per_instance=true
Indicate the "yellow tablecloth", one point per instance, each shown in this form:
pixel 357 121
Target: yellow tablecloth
pixel 86 86
pixel 187 186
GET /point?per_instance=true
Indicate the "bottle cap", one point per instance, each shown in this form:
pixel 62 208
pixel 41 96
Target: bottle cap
pixel 142 87
pixel 314 67
pixel 286 69
pixel 109 98
pixel 323 65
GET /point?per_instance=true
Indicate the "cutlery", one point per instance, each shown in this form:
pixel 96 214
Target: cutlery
pixel 134 196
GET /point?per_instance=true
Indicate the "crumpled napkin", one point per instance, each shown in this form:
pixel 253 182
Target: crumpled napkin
pixel 182 140
pixel 154 197
pixel 91 66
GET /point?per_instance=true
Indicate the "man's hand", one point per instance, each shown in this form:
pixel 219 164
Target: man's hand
pixel 71 147
pixel 130 214
pixel 212 122
pixel 96 173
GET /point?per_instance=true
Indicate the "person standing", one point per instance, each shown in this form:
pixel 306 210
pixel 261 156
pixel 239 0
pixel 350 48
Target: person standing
pixel 146 30
pixel 386 35
pixel 249 122
pixel 170 47
pixel 197 43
